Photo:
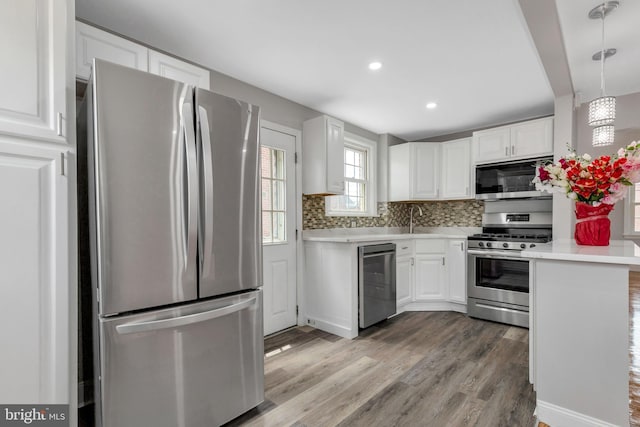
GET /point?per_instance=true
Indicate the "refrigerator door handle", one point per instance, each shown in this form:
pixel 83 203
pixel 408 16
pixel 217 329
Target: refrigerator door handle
pixel 154 325
pixel 206 255
pixel 192 187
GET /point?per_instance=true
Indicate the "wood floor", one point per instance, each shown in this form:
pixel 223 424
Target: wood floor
pixel 417 369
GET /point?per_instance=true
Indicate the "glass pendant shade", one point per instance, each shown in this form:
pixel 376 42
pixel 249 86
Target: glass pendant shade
pixel 602 111
pixel 603 135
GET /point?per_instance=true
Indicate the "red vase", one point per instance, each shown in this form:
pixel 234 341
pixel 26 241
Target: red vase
pixel 593 226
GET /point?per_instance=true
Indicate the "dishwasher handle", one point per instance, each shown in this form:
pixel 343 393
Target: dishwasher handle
pixel 374 250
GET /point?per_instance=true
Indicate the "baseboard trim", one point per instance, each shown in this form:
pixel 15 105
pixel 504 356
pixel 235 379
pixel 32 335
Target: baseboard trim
pixel 555 415
pixel 332 328
pixel 434 306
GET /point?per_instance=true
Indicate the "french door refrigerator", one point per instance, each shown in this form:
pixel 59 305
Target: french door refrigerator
pixel 175 250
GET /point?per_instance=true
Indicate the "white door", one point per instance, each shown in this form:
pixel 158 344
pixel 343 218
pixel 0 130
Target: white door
pixel 278 227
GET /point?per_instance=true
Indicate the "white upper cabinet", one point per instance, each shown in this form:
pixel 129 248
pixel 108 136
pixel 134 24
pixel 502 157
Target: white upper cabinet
pixel 323 156
pixel 414 170
pixel 33 42
pixel 520 141
pixel 431 171
pixel 532 139
pixel 457 175
pixel 94 43
pixel 170 67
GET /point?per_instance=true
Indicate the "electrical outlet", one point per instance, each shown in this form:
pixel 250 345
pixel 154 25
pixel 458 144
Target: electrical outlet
pixel 353 223
pixel 311 322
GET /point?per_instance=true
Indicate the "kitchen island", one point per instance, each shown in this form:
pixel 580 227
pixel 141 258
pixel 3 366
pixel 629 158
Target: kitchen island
pixel 579 332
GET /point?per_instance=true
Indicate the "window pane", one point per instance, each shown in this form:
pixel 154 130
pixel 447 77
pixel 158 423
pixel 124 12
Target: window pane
pixel 266 195
pixel 265 161
pixel 358 158
pixel 279 232
pixel 278 163
pixel 279 196
pixel 267 235
pixel 348 156
pixel 349 171
pixel 358 173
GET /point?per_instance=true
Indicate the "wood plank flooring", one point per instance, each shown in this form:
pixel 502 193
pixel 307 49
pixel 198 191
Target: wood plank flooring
pixel 416 369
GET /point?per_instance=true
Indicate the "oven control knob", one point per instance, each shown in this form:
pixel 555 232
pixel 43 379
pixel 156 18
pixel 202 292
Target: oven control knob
pixel 488 244
pixel 481 244
pixel 505 245
pixel 523 246
pixel 533 245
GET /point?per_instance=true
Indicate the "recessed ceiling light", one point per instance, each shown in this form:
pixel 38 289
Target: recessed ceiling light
pixel 375 65
pixel 431 105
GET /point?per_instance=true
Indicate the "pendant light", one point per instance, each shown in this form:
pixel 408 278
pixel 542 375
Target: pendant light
pixel 602 110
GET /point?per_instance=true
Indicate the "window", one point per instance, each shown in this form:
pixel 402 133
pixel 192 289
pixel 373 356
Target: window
pixel 274 227
pixel 632 212
pixel 359 197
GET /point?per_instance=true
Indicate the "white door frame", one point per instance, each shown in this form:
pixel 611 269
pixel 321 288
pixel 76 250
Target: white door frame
pixel 297 134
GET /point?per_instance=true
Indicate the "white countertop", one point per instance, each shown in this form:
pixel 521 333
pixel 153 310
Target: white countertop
pixel 618 252
pixel 376 234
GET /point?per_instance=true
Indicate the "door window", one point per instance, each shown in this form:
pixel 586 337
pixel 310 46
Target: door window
pixel 274 225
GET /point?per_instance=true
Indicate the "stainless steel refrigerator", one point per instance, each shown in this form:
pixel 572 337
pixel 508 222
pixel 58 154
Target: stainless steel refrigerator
pixel 173 231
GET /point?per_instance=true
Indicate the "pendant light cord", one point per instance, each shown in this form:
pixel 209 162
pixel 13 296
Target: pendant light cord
pixel 602 56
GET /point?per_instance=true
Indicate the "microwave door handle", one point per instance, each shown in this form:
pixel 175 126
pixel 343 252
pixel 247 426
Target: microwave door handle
pixel 207 207
pixel 191 224
pixel 190 319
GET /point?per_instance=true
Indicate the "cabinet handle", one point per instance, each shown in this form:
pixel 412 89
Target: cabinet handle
pixel 506 151
pixel 412 261
pixel 405 247
pixel 513 150
pixel 59 124
pixel 442 260
pixel 462 246
pixel 62 172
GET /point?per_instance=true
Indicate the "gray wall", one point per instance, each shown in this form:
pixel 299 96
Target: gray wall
pixel 627 129
pixel 274 108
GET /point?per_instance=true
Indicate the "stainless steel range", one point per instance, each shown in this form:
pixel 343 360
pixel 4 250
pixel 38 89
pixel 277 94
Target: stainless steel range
pixel 498 277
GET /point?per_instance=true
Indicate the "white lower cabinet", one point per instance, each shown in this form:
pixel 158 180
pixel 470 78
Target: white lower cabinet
pixel 431 276
pixel 404 280
pixel 457 270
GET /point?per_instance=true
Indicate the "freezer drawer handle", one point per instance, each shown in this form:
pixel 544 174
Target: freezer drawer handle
pixel 154 325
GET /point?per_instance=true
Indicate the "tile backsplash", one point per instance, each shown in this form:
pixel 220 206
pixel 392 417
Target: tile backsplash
pixel 455 213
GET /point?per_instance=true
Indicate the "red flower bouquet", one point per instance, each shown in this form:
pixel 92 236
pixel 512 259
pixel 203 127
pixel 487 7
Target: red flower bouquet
pixel 595 184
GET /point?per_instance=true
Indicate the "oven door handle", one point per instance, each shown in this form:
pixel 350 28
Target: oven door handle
pixel 495 254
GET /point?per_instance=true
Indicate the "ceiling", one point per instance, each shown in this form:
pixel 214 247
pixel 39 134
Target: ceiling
pixel 475 59
pixel 583 38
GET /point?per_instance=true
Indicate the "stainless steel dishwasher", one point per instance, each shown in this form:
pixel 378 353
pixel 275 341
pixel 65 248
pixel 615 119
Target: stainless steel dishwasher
pixel 376 283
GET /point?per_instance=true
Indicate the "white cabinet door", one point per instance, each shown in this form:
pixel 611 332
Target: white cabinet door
pixel 426 170
pixel 400 172
pixel 457 270
pixel 429 284
pixel 170 67
pixel 457 170
pixel 323 156
pixel 33 42
pixel 34 266
pixel 492 145
pixel 531 139
pixel 404 280
pixel 94 43
pixel 335 156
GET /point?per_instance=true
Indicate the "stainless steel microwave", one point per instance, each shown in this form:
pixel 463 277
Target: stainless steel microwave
pixel 509 180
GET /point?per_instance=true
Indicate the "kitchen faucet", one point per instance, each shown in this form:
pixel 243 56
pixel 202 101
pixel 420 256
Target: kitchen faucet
pixel 411 217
